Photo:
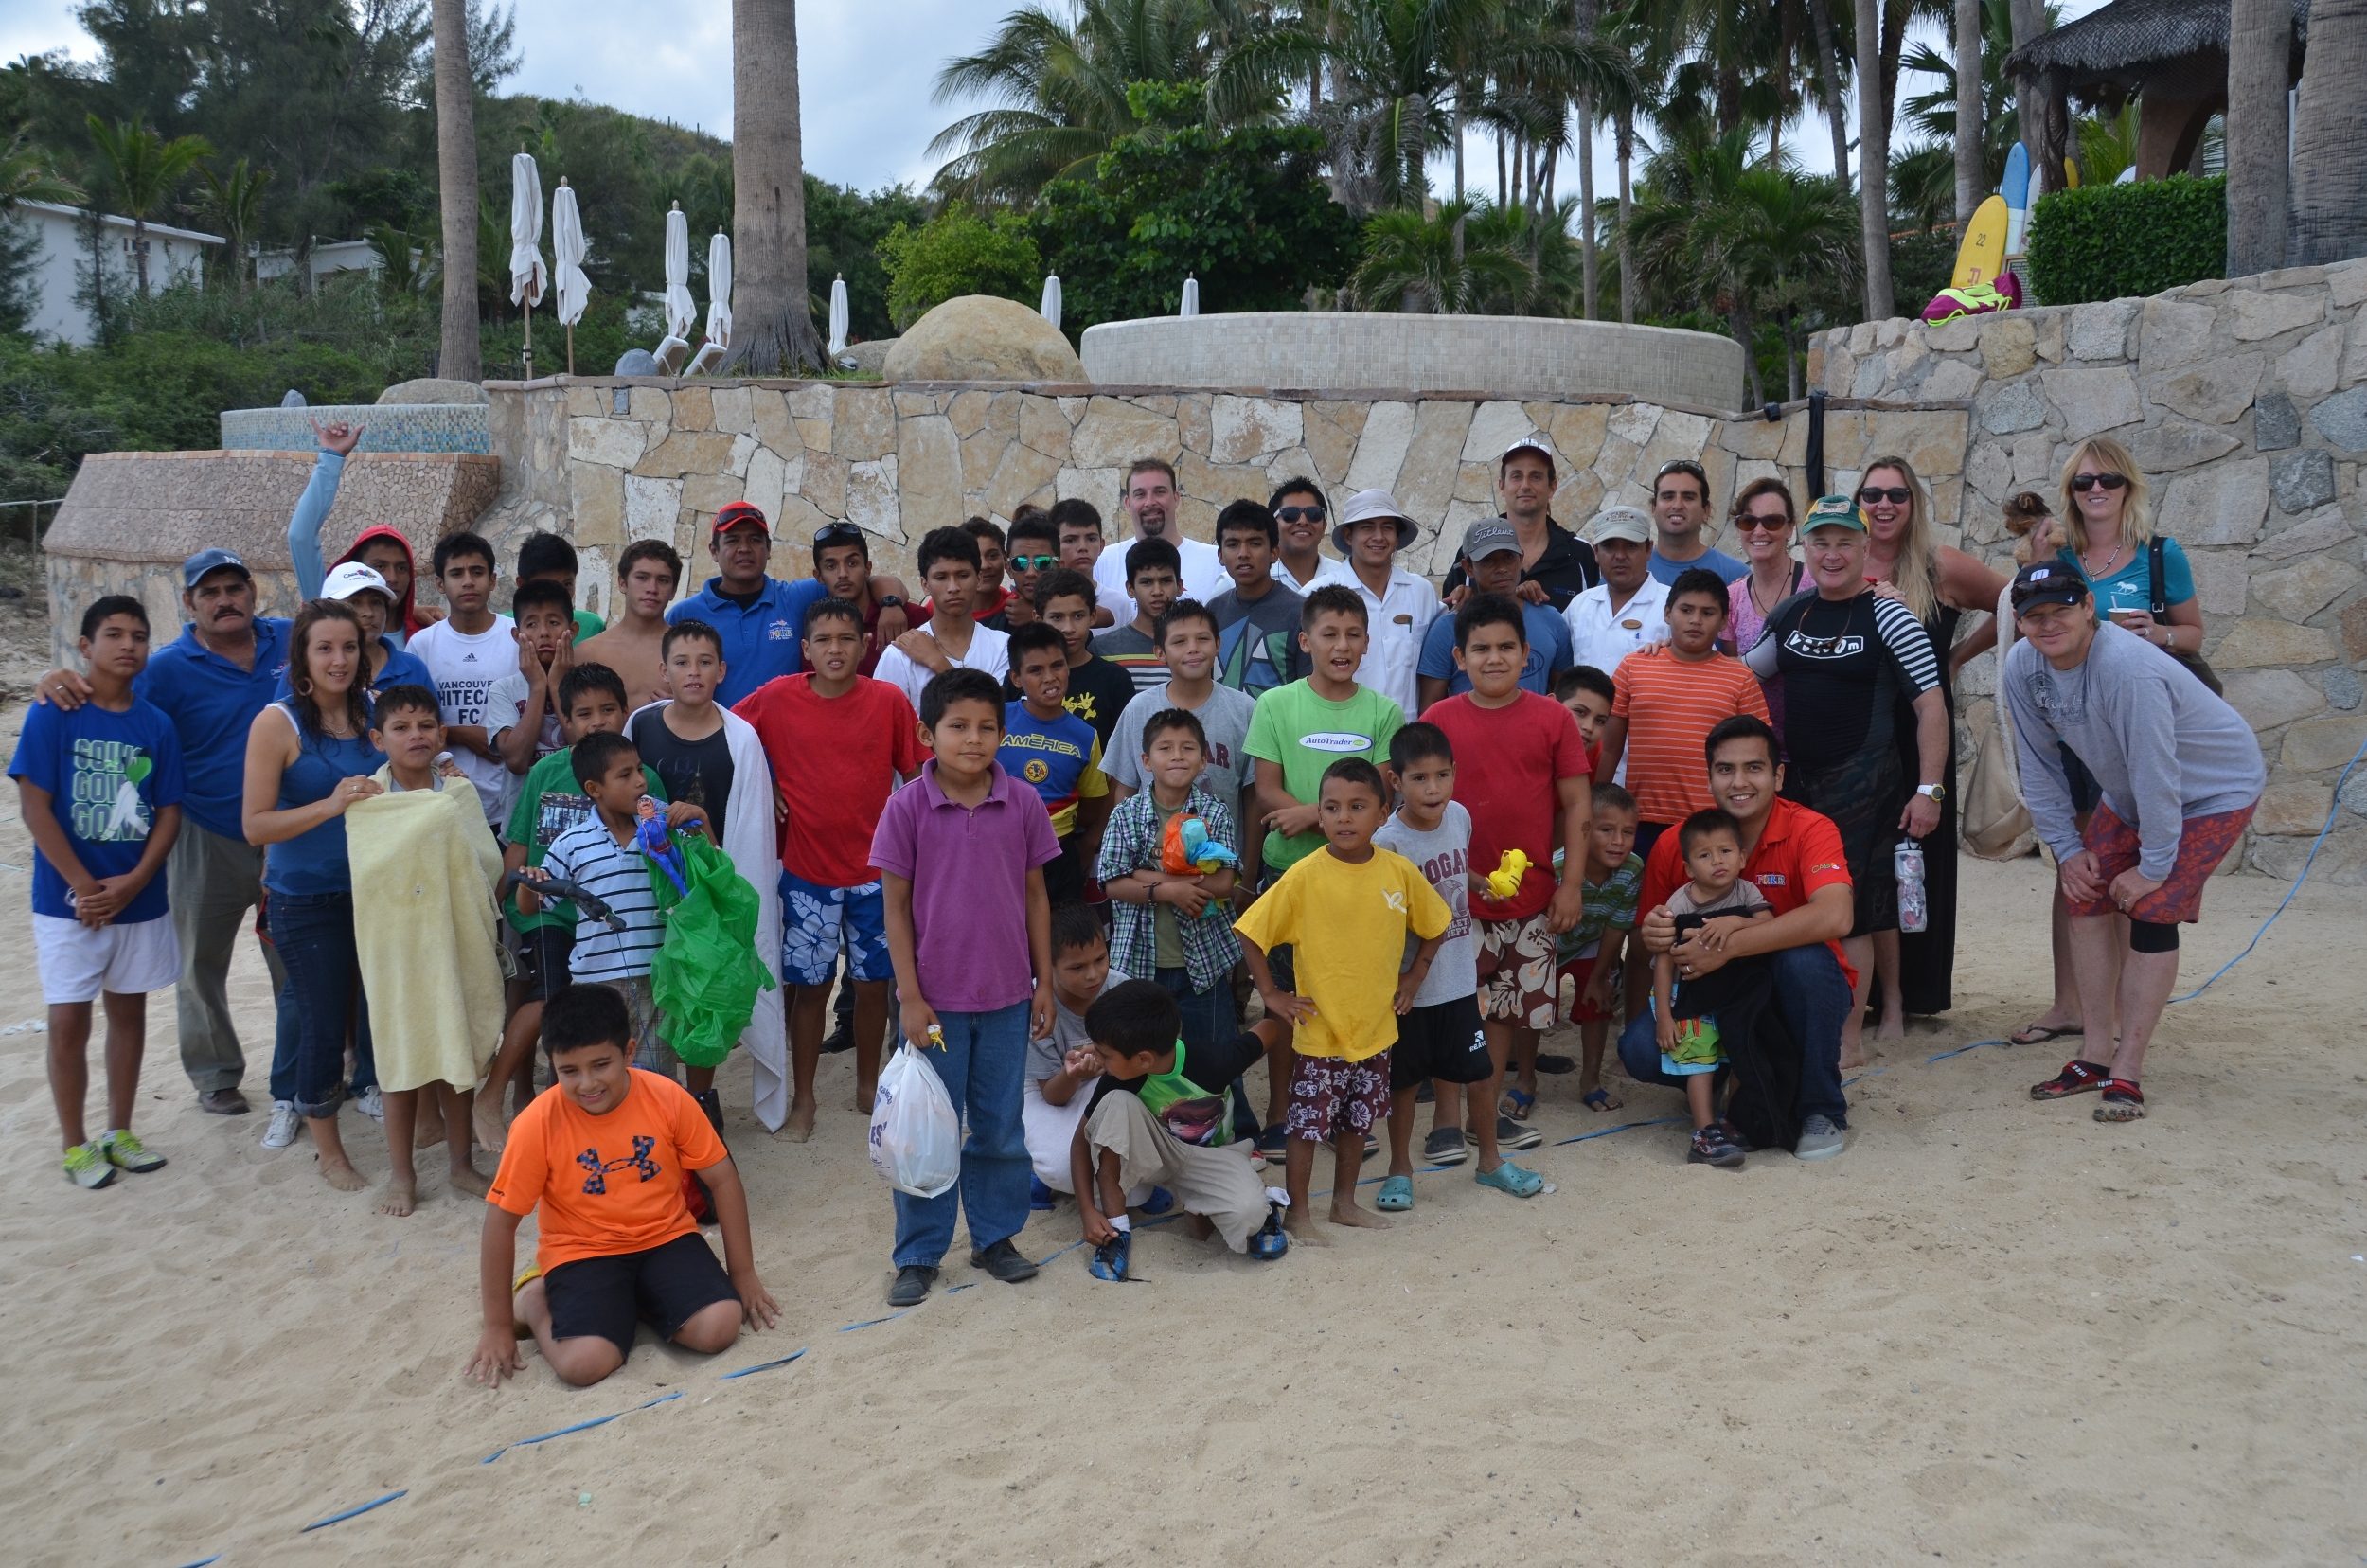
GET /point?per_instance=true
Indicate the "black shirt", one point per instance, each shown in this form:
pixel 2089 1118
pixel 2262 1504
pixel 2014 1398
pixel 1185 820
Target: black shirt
pixel 1201 1111
pixel 1565 570
pixel 1836 660
pixel 699 771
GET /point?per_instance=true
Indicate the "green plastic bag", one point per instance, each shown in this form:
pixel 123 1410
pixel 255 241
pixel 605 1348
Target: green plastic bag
pixel 705 975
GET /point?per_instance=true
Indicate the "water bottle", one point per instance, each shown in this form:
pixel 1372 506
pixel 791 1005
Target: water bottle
pixel 1915 909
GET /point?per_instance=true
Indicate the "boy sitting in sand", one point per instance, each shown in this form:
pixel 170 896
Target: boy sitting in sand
pixel 1061 1066
pixel 1711 842
pixel 1163 1113
pixel 601 1155
pixel 1346 910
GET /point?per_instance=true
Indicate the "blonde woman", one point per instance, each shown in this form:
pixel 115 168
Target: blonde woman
pixel 2108 516
pixel 1939 584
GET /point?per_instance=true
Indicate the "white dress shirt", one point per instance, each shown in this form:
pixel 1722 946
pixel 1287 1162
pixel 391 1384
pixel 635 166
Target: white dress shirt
pixel 1601 638
pixel 1327 571
pixel 1399 620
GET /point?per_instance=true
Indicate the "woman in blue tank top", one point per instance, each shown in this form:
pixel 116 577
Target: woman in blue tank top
pixel 309 758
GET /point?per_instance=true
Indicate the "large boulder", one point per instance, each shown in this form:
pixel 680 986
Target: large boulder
pixel 433 389
pixel 978 337
pixel 868 358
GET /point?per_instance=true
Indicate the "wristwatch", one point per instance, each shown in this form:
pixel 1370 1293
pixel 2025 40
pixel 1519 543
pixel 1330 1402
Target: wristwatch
pixel 887 600
pixel 1935 791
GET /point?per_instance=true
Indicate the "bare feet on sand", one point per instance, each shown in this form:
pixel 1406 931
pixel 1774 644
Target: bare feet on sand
pixel 1302 1228
pixel 1893 1028
pixel 401 1197
pixel 427 1128
pixel 486 1116
pixel 338 1172
pixel 467 1179
pixel 800 1124
pixel 1362 1219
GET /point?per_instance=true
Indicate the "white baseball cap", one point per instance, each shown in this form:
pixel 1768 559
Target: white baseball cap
pixel 348 577
pixel 1367 506
pixel 1626 523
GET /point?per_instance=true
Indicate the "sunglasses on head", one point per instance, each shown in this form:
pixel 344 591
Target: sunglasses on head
pixel 2086 482
pixel 1291 514
pixel 1033 563
pixel 837 533
pixel 1898 496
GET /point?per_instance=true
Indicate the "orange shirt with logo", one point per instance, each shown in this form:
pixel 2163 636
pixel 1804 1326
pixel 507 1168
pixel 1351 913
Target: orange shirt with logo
pixel 610 1183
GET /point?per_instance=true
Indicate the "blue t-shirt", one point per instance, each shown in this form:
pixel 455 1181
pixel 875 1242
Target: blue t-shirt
pixel 108 775
pixel 1051 757
pixel 212 701
pixel 1665 571
pixel 2131 587
pixel 1549 651
pixel 402 669
pixel 760 641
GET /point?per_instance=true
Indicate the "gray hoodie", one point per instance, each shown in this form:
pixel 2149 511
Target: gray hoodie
pixel 2162 747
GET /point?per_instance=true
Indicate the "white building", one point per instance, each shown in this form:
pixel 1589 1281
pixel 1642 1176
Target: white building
pixel 329 256
pixel 174 255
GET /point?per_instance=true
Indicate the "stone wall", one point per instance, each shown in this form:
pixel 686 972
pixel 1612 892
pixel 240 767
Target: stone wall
pixel 2246 404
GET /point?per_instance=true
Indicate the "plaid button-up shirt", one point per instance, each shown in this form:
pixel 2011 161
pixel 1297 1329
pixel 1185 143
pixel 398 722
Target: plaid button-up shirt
pixel 1130 844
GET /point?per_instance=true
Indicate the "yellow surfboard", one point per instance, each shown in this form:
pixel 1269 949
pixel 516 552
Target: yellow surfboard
pixel 2070 172
pixel 1981 255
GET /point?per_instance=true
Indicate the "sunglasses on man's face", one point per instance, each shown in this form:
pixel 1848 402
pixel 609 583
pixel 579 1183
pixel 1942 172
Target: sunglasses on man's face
pixel 2086 482
pixel 1033 563
pixel 1898 496
pixel 1291 514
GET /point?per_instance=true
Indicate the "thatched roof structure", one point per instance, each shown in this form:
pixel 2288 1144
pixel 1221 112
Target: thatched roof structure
pixel 2125 42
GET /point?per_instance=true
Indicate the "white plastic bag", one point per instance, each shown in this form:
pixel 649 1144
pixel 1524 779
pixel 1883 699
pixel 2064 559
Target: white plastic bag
pixel 916 1137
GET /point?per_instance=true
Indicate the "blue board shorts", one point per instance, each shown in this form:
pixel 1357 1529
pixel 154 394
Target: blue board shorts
pixel 815 921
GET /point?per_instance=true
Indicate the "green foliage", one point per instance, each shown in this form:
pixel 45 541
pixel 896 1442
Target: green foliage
pixel 1922 263
pixel 958 252
pixel 2114 240
pixel 844 228
pixel 1243 211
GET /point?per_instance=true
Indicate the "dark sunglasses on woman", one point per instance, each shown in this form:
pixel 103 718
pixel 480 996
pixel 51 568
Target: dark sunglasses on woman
pixel 2085 482
pixel 1762 523
pixel 1291 514
pixel 1898 496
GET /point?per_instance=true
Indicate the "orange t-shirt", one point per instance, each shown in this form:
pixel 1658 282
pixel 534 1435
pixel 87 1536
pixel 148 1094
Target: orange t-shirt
pixel 606 1184
pixel 1670 708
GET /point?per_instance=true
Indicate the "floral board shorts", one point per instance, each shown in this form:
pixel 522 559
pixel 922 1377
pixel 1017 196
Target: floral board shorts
pixel 815 920
pixel 2202 843
pixel 1331 1094
pixel 1516 972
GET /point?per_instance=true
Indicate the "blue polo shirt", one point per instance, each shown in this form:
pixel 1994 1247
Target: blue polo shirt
pixel 759 642
pixel 1549 651
pixel 211 702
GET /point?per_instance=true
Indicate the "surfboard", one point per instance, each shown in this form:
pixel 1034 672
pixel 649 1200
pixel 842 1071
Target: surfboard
pixel 2015 189
pixel 2071 173
pixel 1981 257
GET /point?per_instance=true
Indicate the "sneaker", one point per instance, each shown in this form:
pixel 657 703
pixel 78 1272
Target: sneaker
pixel 1819 1139
pixel 1710 1147
pixel 1004 1262
pixel 1272 1240
pixel 1512 1136
pixel 371 1104
pixel 912 1284
pixel 838 1040
pixel 1038 1195
pixel 285 1124
pixel 223 1102
pixel 1112 1257
pixel 710 1102
pixel 125 1152
pixel 87 1168
pixel 1426 1093
pixel 1445 1146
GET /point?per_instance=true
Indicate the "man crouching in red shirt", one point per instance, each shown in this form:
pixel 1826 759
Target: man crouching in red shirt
pixel 1794 856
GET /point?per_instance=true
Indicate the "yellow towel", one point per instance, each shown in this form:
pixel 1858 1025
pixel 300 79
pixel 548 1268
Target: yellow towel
pixel 426 928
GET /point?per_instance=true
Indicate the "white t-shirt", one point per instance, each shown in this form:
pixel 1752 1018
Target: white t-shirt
pixel 1205 576
pixel 465 669
pixel 989 651
pixel 507 700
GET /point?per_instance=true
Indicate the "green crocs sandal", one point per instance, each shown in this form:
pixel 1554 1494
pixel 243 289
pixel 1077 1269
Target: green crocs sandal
pixel 124 1150
pixel 87 1168
pixel 1510 1178
pixel 1396 1195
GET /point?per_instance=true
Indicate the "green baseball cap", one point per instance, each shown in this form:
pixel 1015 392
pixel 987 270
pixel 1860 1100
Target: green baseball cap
pixel 1833 512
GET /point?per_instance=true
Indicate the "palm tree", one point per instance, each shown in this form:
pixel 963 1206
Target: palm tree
pixel 771 326
pixel 1970 57
pixel 28 175
pixel 1781 238
pixel 233 203
pixel 2330 139
pixel 461 353
pixel 146 172
pixel 1873 160
pixel 2259 70
pixel 1416 263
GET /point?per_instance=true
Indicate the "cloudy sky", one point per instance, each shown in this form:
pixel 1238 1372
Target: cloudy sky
pixel 865 68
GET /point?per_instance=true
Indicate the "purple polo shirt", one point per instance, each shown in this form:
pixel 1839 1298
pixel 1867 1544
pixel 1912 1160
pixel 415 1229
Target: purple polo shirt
pixel 969 870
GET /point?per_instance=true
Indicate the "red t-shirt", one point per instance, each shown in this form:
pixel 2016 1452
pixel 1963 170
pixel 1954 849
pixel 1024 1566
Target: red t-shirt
pixel 1670 708
pixel 1507 762
pixel 1799 851
pixel 914 615
pixel 836 760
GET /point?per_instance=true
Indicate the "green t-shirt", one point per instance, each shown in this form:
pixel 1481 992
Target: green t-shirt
pixel 549 802
pixel 1305 733
pixel 588 625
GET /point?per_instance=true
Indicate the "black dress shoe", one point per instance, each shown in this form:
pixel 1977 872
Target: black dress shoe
pixel 912 1284
pixel 223 1102
pixel 1004 1262
pixel 838 1040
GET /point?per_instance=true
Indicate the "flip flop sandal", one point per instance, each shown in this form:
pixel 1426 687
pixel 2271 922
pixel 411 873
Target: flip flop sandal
pixel 2039 1034
pixel 2123 1102
pixel 1518 1105
pixel 2077 1077
pixel 1396 1195
pixel 1599 1100
pixel 1510 1178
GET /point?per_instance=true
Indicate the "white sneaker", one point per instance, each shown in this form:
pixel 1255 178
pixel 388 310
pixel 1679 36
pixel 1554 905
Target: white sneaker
pixel 284 1126
pixel 370 1104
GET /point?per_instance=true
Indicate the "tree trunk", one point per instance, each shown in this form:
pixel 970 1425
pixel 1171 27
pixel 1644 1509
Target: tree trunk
pixel 1828 79
pixel 2259 72
pixel 1738 322
pixel 1971 168
pixel 460 354
pixel 773 323
pixel 1461 88
pixel 2330 139
pixel 1894 18
pixel 2029 20
pixel 1874 162
pixel 1627 211
pixel 1589 264
pixel 139 250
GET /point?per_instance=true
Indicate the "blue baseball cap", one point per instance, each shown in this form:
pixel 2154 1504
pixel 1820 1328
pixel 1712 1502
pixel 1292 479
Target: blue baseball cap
pixel 195 569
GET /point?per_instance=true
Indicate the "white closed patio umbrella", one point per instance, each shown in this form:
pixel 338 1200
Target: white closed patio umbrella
pixel 680 309
pixel 838 315
pixel 719 305
pixel 1191 296
pixel 1050 308
pixel 527 276
pixel 568 251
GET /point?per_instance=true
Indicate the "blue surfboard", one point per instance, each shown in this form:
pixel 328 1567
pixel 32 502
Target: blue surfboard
pixel 2015 189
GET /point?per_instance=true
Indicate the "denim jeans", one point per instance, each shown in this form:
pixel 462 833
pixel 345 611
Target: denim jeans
pixel 1812 996
pixel 314 935
pixel 983 1065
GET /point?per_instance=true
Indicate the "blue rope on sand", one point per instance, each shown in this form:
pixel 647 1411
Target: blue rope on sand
pixel 202 1562
pixel 761 1366
pixel 1962 1050
pixel 524 1442
pixel 341 1518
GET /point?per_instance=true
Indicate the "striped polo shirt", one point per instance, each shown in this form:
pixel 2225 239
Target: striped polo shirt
pixel 1670 708
pixel 619 875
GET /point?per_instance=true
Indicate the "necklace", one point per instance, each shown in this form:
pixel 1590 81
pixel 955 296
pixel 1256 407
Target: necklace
pixel 1765 610
pixel 2109 562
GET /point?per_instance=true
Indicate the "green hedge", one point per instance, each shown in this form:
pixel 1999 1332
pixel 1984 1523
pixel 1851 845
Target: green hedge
pixel 2114 240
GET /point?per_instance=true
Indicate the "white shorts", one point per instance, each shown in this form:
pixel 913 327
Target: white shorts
pixel 78 963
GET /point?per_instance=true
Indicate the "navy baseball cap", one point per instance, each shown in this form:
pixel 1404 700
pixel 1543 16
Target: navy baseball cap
pixel 194 570
pixel 2047 582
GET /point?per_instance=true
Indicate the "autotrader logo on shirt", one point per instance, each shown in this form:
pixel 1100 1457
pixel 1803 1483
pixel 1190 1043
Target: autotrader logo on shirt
pixel 1342 742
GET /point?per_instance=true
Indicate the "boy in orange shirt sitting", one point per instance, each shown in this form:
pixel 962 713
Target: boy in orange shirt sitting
pixel 603 1153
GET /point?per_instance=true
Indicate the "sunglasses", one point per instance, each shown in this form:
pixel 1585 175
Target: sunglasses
pixel 1898 496
pixel 2086 482
pixel 1291 514
pixel 837 533
pixel 1762 523
pixel 1033 563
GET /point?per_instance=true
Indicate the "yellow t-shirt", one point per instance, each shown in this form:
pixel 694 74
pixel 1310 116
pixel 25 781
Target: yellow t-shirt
pixel 1346 926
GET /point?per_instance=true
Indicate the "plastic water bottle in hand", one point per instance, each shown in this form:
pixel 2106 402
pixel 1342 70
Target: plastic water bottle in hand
pixel 1914 904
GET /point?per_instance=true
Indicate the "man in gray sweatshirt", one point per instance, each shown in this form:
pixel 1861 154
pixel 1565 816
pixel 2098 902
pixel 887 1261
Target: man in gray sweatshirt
pixel 2181 774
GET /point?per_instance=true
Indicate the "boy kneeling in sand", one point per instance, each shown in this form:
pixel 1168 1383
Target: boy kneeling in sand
pixel 1153 1120
pixel 603 1154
